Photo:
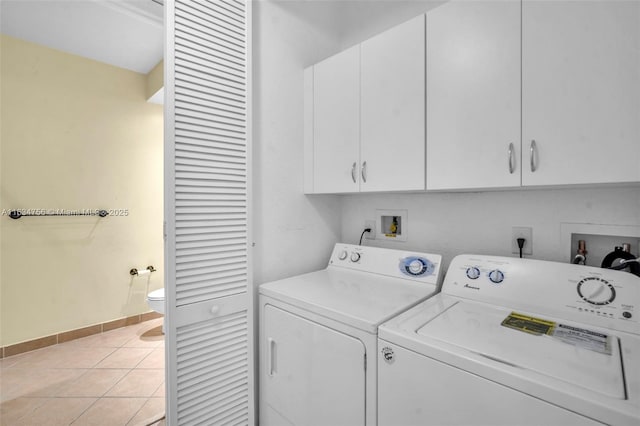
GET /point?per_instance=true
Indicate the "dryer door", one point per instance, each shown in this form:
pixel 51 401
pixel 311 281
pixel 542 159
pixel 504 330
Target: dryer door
pixel 310 374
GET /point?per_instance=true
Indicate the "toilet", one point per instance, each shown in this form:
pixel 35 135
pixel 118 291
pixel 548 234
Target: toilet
pixel 155 300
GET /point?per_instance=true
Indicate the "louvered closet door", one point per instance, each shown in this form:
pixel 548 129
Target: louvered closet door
pixel 209 320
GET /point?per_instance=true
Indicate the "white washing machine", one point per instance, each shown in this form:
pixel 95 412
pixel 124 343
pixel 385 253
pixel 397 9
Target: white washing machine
pixel 514 342
pixel 318 334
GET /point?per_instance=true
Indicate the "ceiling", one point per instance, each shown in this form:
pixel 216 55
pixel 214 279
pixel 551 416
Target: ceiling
pixel 124 33
pixel 351 21
pixel 129 33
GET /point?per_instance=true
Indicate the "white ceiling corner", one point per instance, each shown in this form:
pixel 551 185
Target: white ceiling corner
pixel 124 33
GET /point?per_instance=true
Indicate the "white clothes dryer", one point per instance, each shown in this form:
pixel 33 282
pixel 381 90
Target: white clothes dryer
pixel 318 333
pixel 515 342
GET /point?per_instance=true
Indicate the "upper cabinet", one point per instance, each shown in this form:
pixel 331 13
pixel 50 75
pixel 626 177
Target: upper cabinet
pixel 580 92
pixel 365 115
pixel 580 88
pixel 336 123
pixel 392 108
pixel 518 93
pixel 473 95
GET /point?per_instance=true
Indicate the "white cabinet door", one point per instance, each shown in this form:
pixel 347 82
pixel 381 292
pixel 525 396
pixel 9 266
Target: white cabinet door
pixel 336 123
pixel 473 95
pixel 581 92
pixel 392 153
pixel 310 374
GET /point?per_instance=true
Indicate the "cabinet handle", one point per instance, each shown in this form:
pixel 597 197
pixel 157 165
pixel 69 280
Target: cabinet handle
pixel 532 155
pixel 364 172
pixel 511 159
pixel 353 172
pixel 271 356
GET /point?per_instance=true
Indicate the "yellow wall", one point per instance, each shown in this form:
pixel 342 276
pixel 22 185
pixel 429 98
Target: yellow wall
pixel 75 134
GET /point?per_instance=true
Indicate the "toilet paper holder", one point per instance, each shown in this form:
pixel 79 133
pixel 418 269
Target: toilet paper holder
pixel 139 272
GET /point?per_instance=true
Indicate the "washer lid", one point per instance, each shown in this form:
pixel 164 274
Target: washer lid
pixel 477 327
pixel 359 299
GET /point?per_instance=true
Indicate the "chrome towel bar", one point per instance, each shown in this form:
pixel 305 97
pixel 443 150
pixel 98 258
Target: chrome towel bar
pixel 17 214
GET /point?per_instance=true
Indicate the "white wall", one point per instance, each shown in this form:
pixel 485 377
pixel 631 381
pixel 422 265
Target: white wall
pixel 454 223
pixel 293 233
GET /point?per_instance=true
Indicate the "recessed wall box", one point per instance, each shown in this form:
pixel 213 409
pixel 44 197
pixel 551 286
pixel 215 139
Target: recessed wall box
pixel 391 225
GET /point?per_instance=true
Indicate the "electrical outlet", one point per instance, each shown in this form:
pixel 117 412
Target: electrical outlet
pixel 522 232
pixel 370 224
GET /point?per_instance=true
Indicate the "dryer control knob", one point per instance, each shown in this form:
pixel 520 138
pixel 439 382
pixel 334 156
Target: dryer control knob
pixel 343 255
pixel 355 256
pixel 416 267
pixel 496 276
pixel 473 273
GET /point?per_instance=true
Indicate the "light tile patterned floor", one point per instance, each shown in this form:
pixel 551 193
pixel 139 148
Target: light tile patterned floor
pixel 114 378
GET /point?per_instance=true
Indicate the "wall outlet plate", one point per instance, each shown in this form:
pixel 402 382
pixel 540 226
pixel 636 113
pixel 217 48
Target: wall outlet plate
pixel 522 232
pixel 370 223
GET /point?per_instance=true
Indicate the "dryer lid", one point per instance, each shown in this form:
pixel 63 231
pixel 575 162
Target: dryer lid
pixel 358 299
pixel 478 328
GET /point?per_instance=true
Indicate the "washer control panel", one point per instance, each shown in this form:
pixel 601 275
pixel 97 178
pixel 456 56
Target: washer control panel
pixel 495 276
pixel 423 267
pixel 601 297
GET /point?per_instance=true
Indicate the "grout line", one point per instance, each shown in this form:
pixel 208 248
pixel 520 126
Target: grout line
pixel 95 366
pixel 42 402
pixel 116 383
pixel 84 411
pixel 151 420
pixel 136 413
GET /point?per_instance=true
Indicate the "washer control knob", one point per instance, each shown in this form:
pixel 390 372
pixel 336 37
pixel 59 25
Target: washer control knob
pixel 355 256
pixel 496 276
pixel 343 255
pixel 473 273
pixel 596 291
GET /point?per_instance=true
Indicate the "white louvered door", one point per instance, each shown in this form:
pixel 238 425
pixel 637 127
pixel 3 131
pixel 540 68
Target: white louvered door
pixel 207 284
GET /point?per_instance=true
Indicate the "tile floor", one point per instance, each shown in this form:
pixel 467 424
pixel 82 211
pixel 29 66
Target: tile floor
pixel 114 378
